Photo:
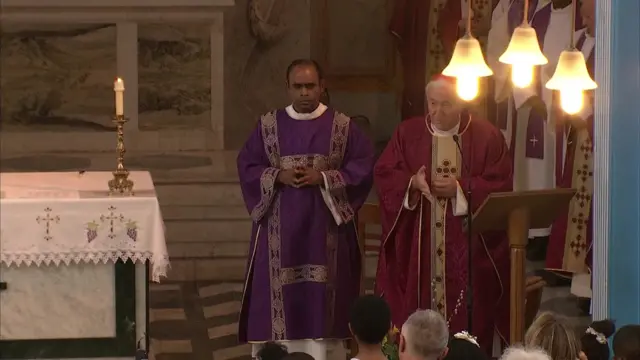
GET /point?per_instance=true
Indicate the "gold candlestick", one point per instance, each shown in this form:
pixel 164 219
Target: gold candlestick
pixel 120 184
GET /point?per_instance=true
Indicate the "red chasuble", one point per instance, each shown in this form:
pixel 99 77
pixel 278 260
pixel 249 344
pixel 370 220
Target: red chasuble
pixel 423 258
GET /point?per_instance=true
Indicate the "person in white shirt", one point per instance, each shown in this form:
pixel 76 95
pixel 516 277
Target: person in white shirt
pixel 525 115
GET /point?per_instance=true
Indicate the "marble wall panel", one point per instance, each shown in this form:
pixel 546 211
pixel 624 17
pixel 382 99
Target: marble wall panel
pixel 58 302
pixel 174 68
pixel 57 77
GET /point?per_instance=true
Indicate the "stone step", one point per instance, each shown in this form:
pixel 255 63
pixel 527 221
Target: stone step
pixel 209 249
pixel 207 231
pixel 228 269
pixel 204 212
pixel 181 166
pixel 199 193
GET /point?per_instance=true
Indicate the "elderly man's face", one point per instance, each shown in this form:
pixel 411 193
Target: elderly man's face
pixel 444 107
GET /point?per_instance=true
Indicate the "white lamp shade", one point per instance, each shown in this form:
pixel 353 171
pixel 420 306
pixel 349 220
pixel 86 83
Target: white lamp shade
pixel 523 48
pixel 467 60
pixel 571 73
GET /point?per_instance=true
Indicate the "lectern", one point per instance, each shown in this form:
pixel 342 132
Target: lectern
pixel 517 212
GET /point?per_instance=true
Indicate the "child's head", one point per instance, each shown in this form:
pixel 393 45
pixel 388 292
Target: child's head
pixel 626 343
pixel 555 335
pixel 464 347
pixel 594 341
pixel 272 351
pixel 370 320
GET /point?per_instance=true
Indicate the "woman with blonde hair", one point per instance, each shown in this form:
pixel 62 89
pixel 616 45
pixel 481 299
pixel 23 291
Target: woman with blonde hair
pixel 553 334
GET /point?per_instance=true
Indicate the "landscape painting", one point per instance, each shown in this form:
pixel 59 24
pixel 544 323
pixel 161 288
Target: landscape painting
pixel 57 77
pixel 174 70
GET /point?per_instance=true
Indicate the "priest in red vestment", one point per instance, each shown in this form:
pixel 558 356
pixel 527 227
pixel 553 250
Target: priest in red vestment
pixel 421 179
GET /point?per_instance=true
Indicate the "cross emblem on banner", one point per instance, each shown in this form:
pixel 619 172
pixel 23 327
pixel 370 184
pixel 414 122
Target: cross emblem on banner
pixel 111 219
pixel 47 219
pixel 534 141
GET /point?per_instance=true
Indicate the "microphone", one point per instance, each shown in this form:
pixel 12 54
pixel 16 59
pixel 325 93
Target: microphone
pixel 469 218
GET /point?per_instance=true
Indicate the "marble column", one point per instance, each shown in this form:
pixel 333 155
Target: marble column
pixel 616 281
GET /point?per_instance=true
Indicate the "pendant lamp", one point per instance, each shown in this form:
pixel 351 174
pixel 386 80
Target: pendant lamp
pixel 571 76
pixel 467 64
pixel 523 52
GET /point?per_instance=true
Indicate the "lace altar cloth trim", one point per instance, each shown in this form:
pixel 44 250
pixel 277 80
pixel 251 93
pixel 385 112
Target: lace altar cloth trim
pixel 95 230
pixel 159 269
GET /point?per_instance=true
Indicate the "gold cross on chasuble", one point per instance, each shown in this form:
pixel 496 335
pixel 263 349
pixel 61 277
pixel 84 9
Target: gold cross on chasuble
pixel 575 245
pixel 445 158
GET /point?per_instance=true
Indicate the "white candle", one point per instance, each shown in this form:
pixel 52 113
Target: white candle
pixel 118 88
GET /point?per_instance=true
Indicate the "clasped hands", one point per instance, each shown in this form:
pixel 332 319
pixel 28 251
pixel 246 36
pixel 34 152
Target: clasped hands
pixel 441 186
pixel 300 177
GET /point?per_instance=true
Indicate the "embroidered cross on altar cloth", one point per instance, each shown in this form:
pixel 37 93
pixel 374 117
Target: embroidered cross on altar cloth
pixel 64 218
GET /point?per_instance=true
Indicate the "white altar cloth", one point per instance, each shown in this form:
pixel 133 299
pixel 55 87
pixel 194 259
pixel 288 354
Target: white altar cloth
pixel 54 218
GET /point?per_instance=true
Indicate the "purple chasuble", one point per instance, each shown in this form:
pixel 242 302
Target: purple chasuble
pixel 535 127
pixel 534 148
pixel 303 271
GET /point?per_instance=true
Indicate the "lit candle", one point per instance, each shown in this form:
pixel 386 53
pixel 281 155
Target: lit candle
pixel 118 87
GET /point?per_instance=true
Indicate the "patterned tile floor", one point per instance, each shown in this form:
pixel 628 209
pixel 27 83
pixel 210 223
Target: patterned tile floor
pixel 198 321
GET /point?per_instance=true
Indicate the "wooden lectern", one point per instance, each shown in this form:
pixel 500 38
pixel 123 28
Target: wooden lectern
pixel 524 210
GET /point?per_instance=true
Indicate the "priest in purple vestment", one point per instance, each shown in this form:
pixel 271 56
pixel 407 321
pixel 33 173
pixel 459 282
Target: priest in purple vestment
pixel 304 173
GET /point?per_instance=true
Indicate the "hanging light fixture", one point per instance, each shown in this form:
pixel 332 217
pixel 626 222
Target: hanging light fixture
pixel 523 52
pixel 571 77
pixel 467 64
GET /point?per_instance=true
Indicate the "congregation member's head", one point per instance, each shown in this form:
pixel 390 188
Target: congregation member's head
pixel 560 4
pixel 519 353
pixel 424 336
pixel 594 340
pixel 463 346
pixel 443 104
pixel 272 351
pixel 626 343
pixel 370 322
pixel 305 84
pixel 588 14
pixel 298 355
pixel 553 334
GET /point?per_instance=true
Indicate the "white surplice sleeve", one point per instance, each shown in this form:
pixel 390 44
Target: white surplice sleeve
pixel 520 96
pixel 459 203
pixel 328 200
pixel 405 203
pixel 499 38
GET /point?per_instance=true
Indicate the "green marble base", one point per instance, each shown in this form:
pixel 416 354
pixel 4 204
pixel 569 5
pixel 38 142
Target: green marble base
pixel 122 345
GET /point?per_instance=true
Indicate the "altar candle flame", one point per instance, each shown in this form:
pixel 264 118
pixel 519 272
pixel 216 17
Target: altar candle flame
pixel 118 88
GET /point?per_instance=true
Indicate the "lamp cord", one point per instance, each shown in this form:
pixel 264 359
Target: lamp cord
pixel 525 18
pixel 469 18
pixel 573 24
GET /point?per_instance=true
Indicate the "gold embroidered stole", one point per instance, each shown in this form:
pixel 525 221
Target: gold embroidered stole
pixel 444 163
pixel 576 246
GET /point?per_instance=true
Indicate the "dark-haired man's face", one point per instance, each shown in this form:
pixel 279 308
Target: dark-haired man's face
pixel 304 88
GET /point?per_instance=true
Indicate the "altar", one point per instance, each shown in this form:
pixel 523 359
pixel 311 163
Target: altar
pixel 72 265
